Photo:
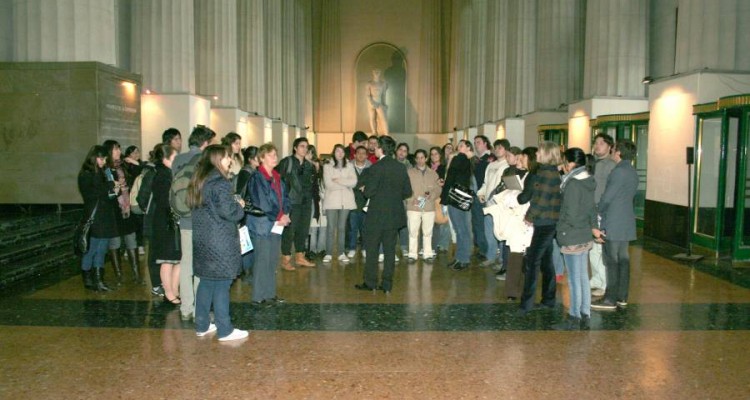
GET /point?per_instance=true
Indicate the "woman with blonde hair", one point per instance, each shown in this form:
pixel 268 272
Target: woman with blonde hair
pixel 542 192
pixel 217 257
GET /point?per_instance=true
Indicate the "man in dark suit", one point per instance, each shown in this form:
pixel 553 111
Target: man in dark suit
pixel 386 185
pixel 617 226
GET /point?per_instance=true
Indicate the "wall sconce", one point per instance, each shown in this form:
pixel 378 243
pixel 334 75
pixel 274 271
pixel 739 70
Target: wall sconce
pixel 647 80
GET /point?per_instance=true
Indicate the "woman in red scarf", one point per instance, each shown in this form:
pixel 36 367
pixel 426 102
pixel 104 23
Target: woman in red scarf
pixel 267 192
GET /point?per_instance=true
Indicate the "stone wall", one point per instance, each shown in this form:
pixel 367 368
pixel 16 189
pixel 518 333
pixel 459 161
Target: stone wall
pixel 50 115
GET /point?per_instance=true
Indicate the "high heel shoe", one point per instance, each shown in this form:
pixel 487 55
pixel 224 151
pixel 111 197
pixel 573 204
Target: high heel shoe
pixel 175 301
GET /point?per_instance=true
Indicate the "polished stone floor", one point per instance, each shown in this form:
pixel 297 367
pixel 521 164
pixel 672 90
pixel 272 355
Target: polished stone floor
pixel 440 334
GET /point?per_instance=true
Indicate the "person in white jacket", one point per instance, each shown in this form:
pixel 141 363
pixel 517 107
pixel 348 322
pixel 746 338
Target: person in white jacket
pixel 339 178
pixel 492 178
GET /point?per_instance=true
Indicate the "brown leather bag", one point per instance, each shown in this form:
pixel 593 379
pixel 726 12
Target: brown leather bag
pixel 440 218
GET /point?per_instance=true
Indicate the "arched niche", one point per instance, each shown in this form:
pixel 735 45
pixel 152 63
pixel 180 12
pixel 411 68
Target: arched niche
pixel 391 61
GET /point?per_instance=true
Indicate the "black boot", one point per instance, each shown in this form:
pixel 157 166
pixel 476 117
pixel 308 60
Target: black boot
pixel 114 255
pixel 135 265
pixel 570 324
pixel 100 285
pixel 585 322
pixel 88 279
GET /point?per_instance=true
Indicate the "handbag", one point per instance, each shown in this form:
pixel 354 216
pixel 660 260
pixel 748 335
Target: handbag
pixel 461 197
pixel 82 234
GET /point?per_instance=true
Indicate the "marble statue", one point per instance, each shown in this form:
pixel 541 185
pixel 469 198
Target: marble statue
pixel 377 109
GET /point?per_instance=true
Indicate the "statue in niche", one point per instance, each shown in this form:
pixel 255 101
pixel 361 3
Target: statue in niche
pixel 376 106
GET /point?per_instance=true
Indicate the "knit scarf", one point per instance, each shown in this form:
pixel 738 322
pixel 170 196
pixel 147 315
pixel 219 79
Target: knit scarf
pixel 123 200
pixel 566 178
pixel 275 179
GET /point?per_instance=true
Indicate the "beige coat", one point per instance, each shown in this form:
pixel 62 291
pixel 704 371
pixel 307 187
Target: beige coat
pixel 339 184
pixel 421 183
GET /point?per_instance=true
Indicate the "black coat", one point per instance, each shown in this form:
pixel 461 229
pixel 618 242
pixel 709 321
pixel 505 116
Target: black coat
pixel 165 235
pixel 459 172
pixel 387 185
pixel 216 240
pixel 95 188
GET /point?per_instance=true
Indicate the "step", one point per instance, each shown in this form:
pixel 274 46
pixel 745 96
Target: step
pixel 31 249
pixel 54 258
pixel 9 240
pixel 21 222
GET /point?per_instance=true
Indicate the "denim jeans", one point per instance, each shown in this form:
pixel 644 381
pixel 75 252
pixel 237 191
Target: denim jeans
pixel 578 283
pixel 557 258
pixel 336 230
pixel 539 257
pixel 461 221
pixel 489 234
pixel 356 223
pixel 95 256
pixel 216 293
pixel 617 262
pixel 477 226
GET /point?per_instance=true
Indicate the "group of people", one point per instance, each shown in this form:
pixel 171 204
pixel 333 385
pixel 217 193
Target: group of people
pixel 528 207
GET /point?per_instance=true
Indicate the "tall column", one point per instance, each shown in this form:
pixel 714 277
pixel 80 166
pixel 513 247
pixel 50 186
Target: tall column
pixel 64 30
pixel 273 25
pixel 288 62
pixel 308 41
pixel 497 43
pixel 520 95
pixel 252 57
pixel 216 51
pixel 478 62
pixel 430 56
pixel 662 34
pixel 616 54
pixel 300 34
pixel 559 53
pixel 164 45
pixel 328 88
pixel 460 45
pixel 712 35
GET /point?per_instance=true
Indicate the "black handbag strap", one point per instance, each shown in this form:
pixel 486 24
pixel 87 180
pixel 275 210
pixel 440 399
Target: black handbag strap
pixel 93 213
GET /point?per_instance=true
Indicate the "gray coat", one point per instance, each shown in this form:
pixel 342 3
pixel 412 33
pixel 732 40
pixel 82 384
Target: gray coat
pixel 602 168
pixel 616 205
pixel 216 240
pixel 577 213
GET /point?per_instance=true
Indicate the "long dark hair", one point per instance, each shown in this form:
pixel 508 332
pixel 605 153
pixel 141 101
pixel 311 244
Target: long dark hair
pixel 530 153
pixel 440 153
pixel 250 153
pixel 109 147
pixel 343 160
pixel 227 141
pixel 576 156
pixel 210 161
pixel 89 163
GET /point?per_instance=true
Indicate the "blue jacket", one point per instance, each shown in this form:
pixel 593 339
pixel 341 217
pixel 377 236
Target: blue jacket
pixel 261 194
pixel 216 240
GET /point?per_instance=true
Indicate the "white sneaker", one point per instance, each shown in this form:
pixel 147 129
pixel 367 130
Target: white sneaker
pixel 343 258
pixel 211 329
pixel 381 258
pixel 235 335
pixel 350 254
pixel 327 258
